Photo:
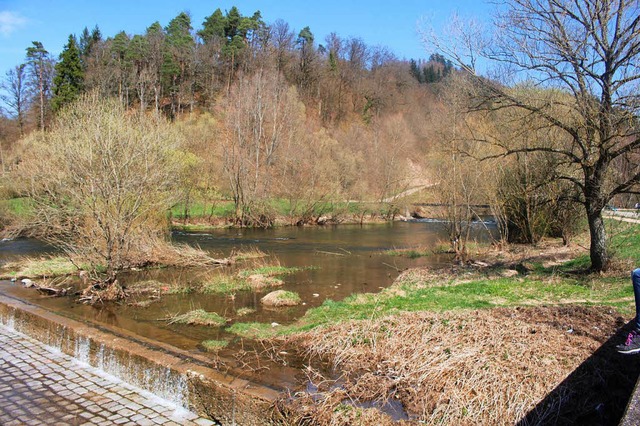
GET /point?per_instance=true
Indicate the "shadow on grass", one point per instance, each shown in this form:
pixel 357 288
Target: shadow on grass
pixel 596 393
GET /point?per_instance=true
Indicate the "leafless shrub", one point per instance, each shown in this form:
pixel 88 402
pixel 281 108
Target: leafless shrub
pixel 101 181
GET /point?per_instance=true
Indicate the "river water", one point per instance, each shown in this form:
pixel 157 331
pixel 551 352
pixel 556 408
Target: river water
pixel 339 261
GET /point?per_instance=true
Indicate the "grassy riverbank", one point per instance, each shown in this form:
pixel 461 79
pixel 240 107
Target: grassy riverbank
pixel 546 275
pixel 201 216
pixel 525 335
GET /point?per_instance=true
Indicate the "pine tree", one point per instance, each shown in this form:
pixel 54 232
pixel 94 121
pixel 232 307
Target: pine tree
pixel 40 70
pixel 68 82
pixel 213 27
pixel 87 44
pixel 415 71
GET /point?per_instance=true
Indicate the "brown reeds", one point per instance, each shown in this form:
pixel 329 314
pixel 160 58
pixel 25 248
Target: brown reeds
pixel 454 368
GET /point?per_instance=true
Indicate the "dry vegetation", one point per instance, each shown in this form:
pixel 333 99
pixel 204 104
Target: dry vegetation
pixel 496 366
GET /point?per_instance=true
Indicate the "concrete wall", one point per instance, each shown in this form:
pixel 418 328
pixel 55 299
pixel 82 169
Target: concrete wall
pixel 158 368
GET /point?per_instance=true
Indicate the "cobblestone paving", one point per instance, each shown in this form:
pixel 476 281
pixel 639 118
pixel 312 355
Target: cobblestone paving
pixel 39 386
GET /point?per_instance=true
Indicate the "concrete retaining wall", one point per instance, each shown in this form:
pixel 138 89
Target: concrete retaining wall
pixel 158 368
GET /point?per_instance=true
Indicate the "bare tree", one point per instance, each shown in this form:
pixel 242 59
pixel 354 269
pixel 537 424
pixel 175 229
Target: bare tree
pixel 263 114
pixel 16 94
pixel 101 181
pixel 588 51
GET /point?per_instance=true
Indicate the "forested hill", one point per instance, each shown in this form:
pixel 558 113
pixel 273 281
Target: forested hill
pixel 366 117
pixel 181 68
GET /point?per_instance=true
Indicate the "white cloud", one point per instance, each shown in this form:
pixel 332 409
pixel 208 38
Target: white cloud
pixel 10 21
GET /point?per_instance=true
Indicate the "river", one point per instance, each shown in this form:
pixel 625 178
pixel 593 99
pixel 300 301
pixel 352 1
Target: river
pixel 338 261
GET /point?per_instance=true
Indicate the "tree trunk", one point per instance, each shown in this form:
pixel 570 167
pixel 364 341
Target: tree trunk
pixel 598 248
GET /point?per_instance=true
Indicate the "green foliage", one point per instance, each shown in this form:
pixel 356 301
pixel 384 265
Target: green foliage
pixel 213 27
pixel 87 44
pixel 68 82
pixel 178 46
pixel 235 29
pixel 305 37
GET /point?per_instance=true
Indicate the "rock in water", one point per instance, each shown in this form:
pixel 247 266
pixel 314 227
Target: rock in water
pixel 281 298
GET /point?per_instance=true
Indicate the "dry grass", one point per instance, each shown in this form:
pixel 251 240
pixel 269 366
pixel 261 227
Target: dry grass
pixel 48 266
pixel 181 255
pixel 281 298
pixel 455 368
pixel 248 254
pixel 198 317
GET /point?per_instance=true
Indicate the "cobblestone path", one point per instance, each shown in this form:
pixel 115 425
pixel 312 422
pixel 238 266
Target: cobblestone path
pixel 40 386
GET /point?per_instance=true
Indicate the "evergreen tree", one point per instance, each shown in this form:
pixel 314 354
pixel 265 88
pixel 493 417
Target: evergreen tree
pixel 415 71
pixel 213 27
pixel 68 82
pixel 307 57
pixel 87 44
pixel 179 45
pixel 40 72
pixel 429 74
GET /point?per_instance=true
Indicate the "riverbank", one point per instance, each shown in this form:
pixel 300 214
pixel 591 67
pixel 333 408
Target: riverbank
pixel 539 295
pixel 524 336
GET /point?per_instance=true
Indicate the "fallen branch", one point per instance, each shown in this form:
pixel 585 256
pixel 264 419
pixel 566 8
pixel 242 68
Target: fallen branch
pixel 330 252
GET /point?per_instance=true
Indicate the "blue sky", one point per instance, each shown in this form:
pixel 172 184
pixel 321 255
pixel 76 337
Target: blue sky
pixel 377 22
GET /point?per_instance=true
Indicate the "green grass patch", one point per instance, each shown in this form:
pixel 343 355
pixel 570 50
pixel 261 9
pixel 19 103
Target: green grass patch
pixel 411 253
pixel 39 267
pixel 199 317
pixel 214 345
pixel 253 330
pixel 624 239
pixel 221 209
pixel 476 294
pixel 154 286
pixel 225 284
pixel 196 227
pixel 248 254
pixel 248 279
pixel 20 207
pixel 281 298
pixel 269 271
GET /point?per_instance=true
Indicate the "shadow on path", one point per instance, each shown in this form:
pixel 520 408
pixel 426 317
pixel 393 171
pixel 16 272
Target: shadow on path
pixel 596 393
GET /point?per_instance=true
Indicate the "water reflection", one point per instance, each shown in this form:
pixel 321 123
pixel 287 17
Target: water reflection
pixel 346 259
